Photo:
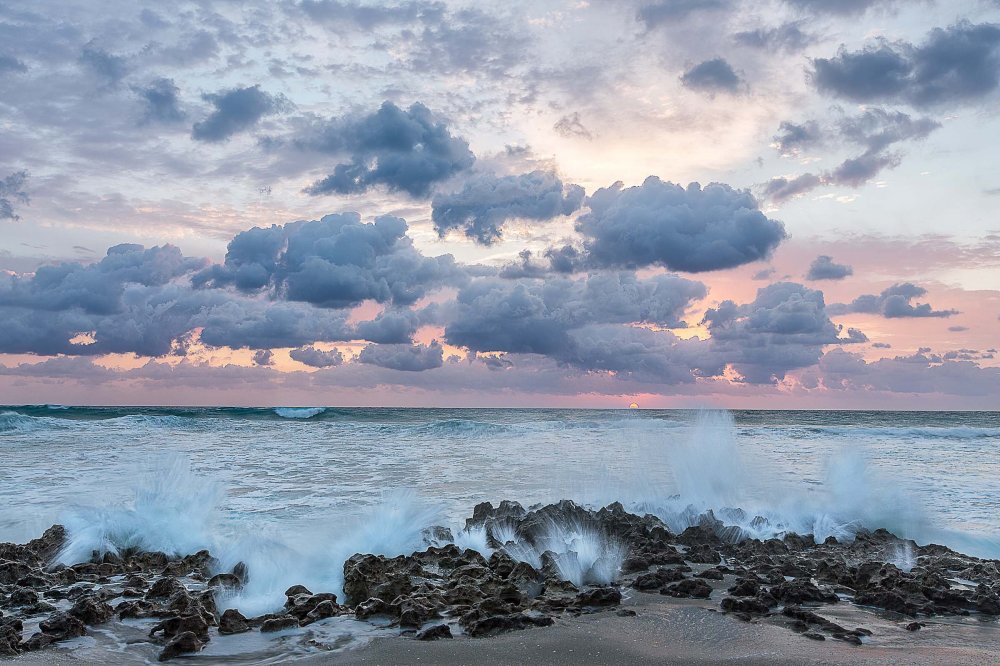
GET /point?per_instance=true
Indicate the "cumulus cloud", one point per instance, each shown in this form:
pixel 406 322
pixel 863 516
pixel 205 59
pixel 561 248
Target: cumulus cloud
pixel 496 315
pixel 317 358
pixel 824 268
pixel 336 262
pixel 409 358
pixel 394 326
pixel 694 229
pixel 236 110
pixel 263 357
pixel 712 76
pixel 894 302
pixel 404 150
pixel 920 373
pixel 960 63
pixel 12 194
pixel 784 328
pixel 482 207
pixel 161 102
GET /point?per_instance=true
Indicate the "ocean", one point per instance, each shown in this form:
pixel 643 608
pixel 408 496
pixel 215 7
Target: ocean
pixel 293 492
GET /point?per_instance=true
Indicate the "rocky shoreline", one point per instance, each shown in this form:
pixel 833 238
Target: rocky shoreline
pixel 446 591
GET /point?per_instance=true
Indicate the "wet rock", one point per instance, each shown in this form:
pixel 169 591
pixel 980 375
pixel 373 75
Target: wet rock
pixel 434 633
pixel 10 636
pixel 10 572
pixel 702 554
pixel 635 564
pixel 599 596
pixel 914 626
pixel 322 610
pixel 657 579
pixel 625 612
pixel 748 605
pixel 369 608
pixel 233 622
pixel 496 624
pixel 225 581
pixel 689 587
pixel 745 587
pixel 57 627
pixel 814 636
pixel 91 610
pixel 164 588
pixel 184 643
pixel 711 574
pixel 296 590
pixel 181 624
pixel 802 591
pixel 22 596
pixel 279 623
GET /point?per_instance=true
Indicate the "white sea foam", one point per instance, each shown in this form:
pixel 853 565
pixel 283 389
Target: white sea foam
pixel 298 412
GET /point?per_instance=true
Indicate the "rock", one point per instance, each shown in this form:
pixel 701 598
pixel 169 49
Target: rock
pixel 279 623
pixel 369 608
pixel 689 587
pixel 914 626
pixel 184 643
pixel 22 596
pixel 710 574
pixel 91 610
pixel 635 564
pixel 164 588
pixel 599 596
pixel 802 591
pixel 226 581
pixel 496 624
pixel 182 624
pixel 625 612
pixel 748 605
pixel 744 587
pixel 814 636
pixel 233 622
pixel 322 610
pixel 10 636
pixel 296 590
pixel 702 554
pixel 434 633
pixel 657 579
pixel 57 627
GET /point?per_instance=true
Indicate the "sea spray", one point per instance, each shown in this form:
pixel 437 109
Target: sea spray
pixel 173 511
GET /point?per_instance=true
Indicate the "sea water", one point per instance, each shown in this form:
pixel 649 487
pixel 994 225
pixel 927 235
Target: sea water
pixel 293 492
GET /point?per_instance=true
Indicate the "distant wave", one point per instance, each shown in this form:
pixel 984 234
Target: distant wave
pixel 930 432
pixel 464 427
pixel 298 412
pixel 14 422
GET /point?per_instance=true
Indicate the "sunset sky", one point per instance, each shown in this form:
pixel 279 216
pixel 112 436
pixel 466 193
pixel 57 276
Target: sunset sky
pixel 785 204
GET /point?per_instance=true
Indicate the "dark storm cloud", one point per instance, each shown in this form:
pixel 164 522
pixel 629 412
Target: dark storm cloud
pixel 405 150
pixel 792 137
pixel 236 110
pixel 9 63
pixel 668 12
pixel 339 15
pixel 409 358
pixel 336 262
pixel 161 102
pixel 12 194
pixel 493 314
pixel 824 268
pixel 660 223
pixel 786 37
pixel 894 302
pixel 784 328
pixel 957 64
pixel 482 207
pixel 111 68
pixel 317 358
pixel 713 76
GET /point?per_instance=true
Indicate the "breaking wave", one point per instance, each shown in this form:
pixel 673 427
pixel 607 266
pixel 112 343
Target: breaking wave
pixel 298 412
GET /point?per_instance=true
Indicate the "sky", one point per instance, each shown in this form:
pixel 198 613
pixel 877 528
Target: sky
pixel 787 204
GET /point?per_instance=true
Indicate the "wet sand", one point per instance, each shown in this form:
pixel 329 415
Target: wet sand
pixel 665 631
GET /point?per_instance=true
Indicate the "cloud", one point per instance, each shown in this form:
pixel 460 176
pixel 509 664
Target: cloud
pixel 405 150
pixel 837 7
pixel 787 37
pixel 263 357
pixel 876 130
pixel 958 329
pixel 957 64
pixel 713 76
pixel 9 63
pixel 823 268
pixel 161 102
pixel 393 326
pixel 784 328
pixel 409 358
pixel 536 317
pixel 11 194
pixel 317 358
pixel 111 68
pixel 236 110
pixel 483 206
pixel 792 138
pixel 570 126
pixel 659 223
pixel 340 15
pixel 669 12
pixel 919 373
pixel 892 303
pixel 335 262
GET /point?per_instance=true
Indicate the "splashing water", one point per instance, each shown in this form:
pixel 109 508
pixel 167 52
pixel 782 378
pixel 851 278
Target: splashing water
pixel 173 511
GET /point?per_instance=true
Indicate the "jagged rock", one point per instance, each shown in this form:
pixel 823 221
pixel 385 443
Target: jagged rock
pixel 91 610
pixel 233 622
pixel 57 627
pixel 10 636
pixel 689 587
pixel 801 591
pixel 657 579
pixel 711 574
pixel 22 596
pixel 599 596
pixel 164 588
pixel 225 581
pixel 184 643
pixel 296 590
pixel 279 623
pixel 367 609
pixel 702 554
pixel 181 624
pixel 434 633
